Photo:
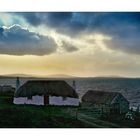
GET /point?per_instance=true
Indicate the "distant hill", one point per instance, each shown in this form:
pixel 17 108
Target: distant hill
pixel 110 76
pixel 57 76
pixel 60 76
pixel 16 75
pixel 37 76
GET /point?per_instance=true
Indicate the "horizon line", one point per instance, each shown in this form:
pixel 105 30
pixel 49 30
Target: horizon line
pixel 24 75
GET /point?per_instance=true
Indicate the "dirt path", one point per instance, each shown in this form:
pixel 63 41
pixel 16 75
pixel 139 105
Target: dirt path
pixel 94 122
pixel 90 120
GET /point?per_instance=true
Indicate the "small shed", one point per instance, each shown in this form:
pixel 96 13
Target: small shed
pixel 7 88
pixel 46 92
pixel 107 102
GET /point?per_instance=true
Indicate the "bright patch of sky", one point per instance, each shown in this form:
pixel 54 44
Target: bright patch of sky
pixel 81 44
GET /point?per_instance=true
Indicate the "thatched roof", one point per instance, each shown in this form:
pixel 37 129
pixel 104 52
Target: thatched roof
pixel 46 87
pixel 99 97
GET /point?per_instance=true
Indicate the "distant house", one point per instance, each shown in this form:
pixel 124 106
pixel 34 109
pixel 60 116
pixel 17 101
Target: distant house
pixel 106 102
pixel 50 92
pixel 7 89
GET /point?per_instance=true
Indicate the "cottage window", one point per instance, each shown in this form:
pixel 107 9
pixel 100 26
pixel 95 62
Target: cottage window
pixel 64 98
pixel 29 97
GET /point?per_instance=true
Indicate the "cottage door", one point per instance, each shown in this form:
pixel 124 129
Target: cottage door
pixel 116 108
pixel 46 100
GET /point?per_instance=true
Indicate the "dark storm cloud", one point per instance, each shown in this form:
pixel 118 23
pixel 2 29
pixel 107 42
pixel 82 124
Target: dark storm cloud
pixel 123 27
pixel 18 41
pixel 57 19
pixel 33 18
pixel 1 31
pixel 98 21
pixel 65 22
pixel 68 47
pixel 129 45
pixel 53 19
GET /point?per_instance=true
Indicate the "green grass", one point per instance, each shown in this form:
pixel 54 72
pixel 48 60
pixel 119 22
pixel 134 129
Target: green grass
pixel 37 116
pixel 31 116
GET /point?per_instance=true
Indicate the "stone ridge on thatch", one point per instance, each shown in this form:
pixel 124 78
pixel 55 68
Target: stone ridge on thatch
pixel 46 87
pixel 99 97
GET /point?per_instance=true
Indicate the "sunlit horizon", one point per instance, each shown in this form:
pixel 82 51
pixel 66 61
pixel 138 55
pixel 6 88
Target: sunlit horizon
pixel 78 44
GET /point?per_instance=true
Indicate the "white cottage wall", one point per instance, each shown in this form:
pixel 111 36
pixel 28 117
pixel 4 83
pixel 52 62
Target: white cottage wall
pixel 36 100
pixel 53 100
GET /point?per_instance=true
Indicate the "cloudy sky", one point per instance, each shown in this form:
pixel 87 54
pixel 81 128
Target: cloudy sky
pixel 79 44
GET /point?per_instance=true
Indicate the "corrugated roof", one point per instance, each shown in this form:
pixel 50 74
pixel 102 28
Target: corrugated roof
pixel 99 97
pixel 46 87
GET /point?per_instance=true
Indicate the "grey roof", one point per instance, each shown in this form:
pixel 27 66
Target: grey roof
pixel 46 87
pixel 99 97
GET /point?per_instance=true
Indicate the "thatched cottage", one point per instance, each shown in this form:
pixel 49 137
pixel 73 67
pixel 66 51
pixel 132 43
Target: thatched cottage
pixel 106 102
pixel 50 92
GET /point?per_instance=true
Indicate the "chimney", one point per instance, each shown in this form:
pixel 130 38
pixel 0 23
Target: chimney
pixel 17 83
pixel 74 85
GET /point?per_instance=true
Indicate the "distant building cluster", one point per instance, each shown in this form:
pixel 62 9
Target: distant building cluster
pixel 59 92
pixel 6 89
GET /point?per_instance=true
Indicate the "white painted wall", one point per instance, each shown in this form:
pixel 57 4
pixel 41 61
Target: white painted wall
pixel 36 100
pixel 53 100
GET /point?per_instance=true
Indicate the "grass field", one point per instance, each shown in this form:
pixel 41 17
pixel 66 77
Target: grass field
pixel 30 116
pixel 21 116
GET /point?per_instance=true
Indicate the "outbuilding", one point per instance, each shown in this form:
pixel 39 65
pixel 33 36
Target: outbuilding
pixel 106 102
